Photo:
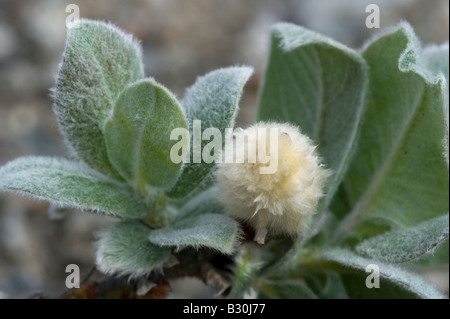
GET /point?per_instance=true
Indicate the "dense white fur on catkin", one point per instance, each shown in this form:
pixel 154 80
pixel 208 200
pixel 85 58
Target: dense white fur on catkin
pixel 281 203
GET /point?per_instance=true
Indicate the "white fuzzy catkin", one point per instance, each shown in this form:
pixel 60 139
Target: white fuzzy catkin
pixel 281 203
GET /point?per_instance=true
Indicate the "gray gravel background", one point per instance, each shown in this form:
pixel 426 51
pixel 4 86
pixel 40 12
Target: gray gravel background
pixel 181 40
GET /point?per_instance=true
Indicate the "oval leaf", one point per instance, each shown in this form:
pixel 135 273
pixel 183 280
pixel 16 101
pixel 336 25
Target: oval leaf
pixel 138 134
pixel 70 184
pixel 98 62
pixel 210 230
pixel 213 100
pixel 125 249
pixel 406 244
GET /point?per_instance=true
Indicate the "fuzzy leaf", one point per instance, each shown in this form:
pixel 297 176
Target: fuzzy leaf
pixel 319 85
pixel 138 134
pixel 403 245
pixel 69 184
pixel 210 230
pixel 390 275
pixel 213 100
pixel 98 62
pixel 125 249
pixel 399 173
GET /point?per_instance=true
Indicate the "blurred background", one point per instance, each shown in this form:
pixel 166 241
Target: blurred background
pixel 181 40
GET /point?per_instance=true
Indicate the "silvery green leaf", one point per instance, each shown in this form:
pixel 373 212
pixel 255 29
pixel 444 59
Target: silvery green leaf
pixel 138 132
pixel 124 248
pixel 98 62
pixel 406 244
pixel 390 275
pixel 319 85
pixel 215 231
pixel 70 184
pixel 399 173
pixel 213 100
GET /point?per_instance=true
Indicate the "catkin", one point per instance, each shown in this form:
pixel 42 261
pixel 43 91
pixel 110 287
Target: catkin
pixel 283 202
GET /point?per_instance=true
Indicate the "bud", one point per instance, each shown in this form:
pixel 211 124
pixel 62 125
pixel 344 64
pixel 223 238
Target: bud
pixel 283 201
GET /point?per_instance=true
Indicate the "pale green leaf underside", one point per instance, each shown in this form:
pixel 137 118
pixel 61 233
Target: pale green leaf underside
pixel 399 173
pixel 98 62
pixel 403 245
pixel 401 278
pixel 138 132
pixel 69 184
pixel 319 85
pixel 125 249
pixel 215 231
pixel 213 100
